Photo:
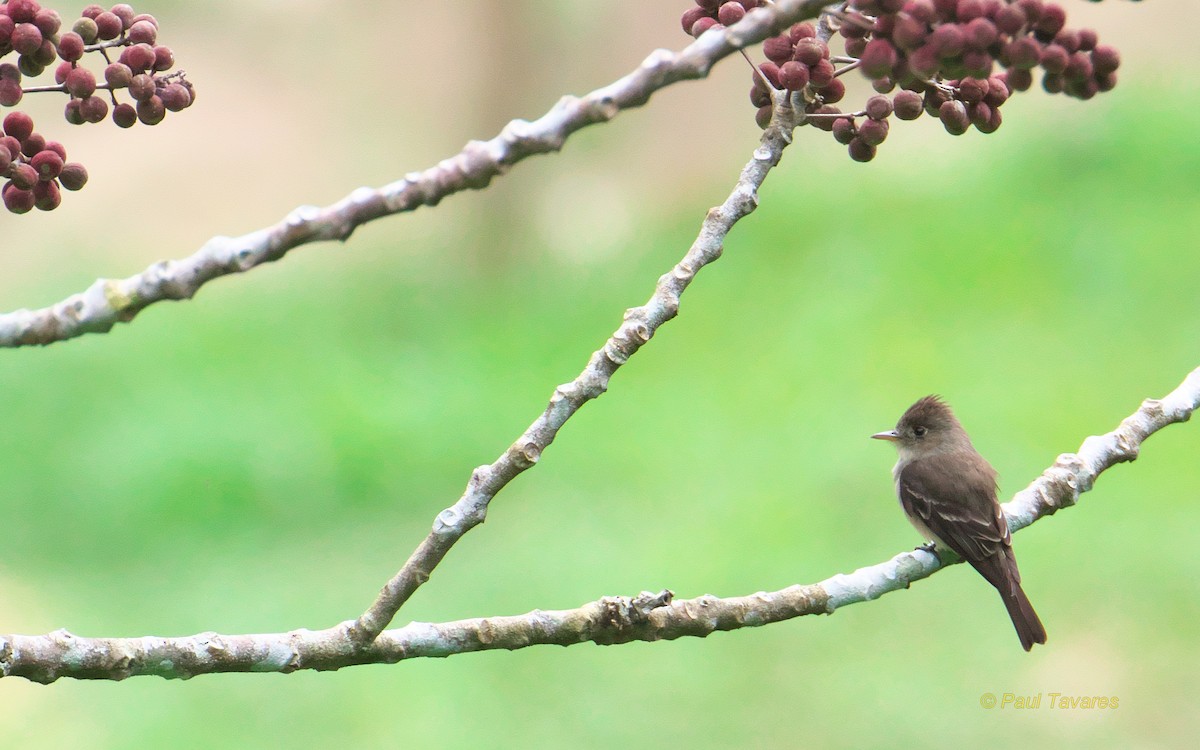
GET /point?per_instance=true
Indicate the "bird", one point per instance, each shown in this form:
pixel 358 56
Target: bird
pixel 948 491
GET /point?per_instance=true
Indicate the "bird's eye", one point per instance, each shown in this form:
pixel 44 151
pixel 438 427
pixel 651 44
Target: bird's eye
pixel 920 430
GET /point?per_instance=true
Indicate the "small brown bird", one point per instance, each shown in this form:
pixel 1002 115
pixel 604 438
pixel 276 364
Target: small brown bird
pixel 948 492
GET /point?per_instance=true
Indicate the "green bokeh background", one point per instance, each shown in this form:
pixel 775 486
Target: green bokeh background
pixel 263 457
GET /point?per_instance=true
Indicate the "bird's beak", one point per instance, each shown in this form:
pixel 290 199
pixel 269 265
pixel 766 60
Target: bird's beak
pixel 890 435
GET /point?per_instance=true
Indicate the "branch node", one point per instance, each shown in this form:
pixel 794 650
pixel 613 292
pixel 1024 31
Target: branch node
pixel 525 455
pixel 447 521
pixel 619 615
pixel 480 476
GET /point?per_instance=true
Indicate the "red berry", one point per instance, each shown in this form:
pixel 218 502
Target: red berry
pixel 23 11
pixel 1018 79
pixel 142 87
pixel 690 17
pixel 47 163
pixel 108 26
pixel 703 25
pixel 48 22
pixel 10 92
pixel 1024 52
pixel 763 116
pixel 151 111
pixel 878 107
pixel 860 151
pixel 811 51
pixel 164 58
pixel 33 144
pixel 873 132
pixel 26 39
pixel 730 13
pixel 924 62
pixel 175 97
pixel 972 90
pixel 878 58
pixel 778 49
pixel 73 176
pixel 997 92
pixel 124 115
pixel 981 34
pixel 11 145
pixel 1051 22
pixel 770 71
pixel 844 130
pixel 81 83
pixel 71 112
pixel 23 176
pixel 87 30
pixel 1054 58
pixel 800 31
pixel 1010 19
pixel 139 57
pixel 17 200
pixel 1105 59
pixel 793 75
pixel 908 105
pixel 118 75
pixel 908 33
pixel 834 91
pixel 93 109
pixel 948 39
pixel 143 32
pixel 46 196
pixel 19 125
pixel 821 74
pixel 1032 9
pixel 953 115
pixel 125 12
pixel 70 46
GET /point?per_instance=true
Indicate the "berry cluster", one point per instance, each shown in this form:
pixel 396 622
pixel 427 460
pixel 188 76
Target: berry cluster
pixel 34 167
pixel 941 54
pixel 36 34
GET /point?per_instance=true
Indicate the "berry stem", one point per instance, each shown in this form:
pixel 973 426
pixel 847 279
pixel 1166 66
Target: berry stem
pixel 121 41
pixel 758 73
pixel 847 68
pixel 61 88
pixel 835 115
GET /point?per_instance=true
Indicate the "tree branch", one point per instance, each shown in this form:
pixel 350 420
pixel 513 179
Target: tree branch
pixel 110 301
pixel 611 620
pixel 639 325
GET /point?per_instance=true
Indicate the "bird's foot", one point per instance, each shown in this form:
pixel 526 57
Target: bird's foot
pixel 931 548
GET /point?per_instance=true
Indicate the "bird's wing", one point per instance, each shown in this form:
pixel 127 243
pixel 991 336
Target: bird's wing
pixel 953 507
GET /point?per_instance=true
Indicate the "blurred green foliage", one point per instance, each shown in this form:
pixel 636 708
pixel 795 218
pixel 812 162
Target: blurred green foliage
pixel 262 458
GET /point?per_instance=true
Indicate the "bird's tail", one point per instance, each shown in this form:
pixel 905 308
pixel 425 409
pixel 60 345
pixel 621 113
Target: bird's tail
pixel 1024 619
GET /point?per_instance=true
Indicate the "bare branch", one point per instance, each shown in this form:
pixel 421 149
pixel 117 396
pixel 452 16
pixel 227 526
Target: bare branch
pixel 638 327
pixel 611 620
pixel 110 301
